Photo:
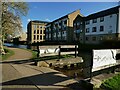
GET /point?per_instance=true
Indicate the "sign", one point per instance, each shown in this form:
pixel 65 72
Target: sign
pixel 103 58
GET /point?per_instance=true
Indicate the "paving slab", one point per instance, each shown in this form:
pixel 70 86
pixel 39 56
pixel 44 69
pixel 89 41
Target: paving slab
pixel 12 79
pixel 44 77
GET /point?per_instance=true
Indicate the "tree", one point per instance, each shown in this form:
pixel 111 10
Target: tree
pixel 10 19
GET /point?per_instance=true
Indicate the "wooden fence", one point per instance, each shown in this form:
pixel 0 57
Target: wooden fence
pixel 59 50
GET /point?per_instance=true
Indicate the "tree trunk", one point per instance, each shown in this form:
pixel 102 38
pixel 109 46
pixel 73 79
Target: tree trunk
pixel 1 43
pixel 1 48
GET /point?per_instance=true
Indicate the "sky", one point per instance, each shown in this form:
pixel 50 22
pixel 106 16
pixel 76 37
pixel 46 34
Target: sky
pixel 49 11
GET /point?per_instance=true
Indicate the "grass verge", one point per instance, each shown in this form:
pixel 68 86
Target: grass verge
pixel 8 53
pixel 112 83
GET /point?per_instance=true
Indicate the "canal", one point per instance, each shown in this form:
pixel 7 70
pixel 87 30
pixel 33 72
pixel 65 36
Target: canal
pixel 16 46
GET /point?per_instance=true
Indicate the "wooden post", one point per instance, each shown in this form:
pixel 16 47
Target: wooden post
pixel 59 52
pixel 91 65
pixel 75 51
pixel 38 50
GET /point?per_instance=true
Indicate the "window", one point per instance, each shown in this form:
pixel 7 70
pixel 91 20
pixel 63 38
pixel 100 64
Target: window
pixel 37 31
pixel 56 25
pixel 34 37
pixel 37 37
pixel 81 30
pixel 87 22
pixel 101 19
pixel 60 23
pixel 94 29
pixel 34 31
pixel 101 28
pixel 94 21
pixel 94 38
pixel 44 37
pixel 65 22
pixel 37 26
pixel 40 26
pixel 78 23
pixel 43 31
pixel 65 28
pixel 74 24
pixel 110 26
pixel 40 31
pixel 40 37
pixel 87 30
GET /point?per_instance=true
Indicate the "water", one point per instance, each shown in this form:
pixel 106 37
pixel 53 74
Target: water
pixel 16 46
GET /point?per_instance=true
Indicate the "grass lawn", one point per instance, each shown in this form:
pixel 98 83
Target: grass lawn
pixel 8 53
pixel 34 53
pixel 112 83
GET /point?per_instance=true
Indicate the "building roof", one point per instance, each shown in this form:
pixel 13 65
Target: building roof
pixel 65 16
pixel 36 21
pixel 103 13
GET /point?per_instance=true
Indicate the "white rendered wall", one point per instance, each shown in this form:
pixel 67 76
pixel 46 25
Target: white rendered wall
pixel 102 58
pixel 119 21
pixel 106 23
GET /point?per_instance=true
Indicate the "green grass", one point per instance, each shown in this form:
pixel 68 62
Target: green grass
pixel 112 83
pixel 34 54
pixel 8 53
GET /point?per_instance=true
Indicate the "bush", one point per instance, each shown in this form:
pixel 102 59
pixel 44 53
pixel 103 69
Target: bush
pixel 112 83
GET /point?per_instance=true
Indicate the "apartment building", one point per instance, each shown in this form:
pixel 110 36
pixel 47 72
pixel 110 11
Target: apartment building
pixel 61 29
pixel 36 31
pixel 79 29
pixel 103 25
pixel 98 27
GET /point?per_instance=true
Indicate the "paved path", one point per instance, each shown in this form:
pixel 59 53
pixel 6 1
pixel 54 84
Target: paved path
pixel 21 76
pixel 18 74
pixel 19 54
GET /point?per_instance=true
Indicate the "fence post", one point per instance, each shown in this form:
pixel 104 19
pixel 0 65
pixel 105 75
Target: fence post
pixel 59 52
pixel 38 50
pixel 75 51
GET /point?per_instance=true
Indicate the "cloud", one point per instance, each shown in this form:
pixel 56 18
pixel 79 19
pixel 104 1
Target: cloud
pixel 29 20
pixel 47 19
